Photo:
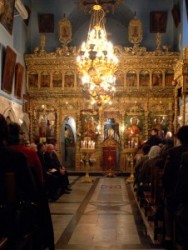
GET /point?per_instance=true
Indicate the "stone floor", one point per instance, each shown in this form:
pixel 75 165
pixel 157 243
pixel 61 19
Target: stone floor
pixel 99 215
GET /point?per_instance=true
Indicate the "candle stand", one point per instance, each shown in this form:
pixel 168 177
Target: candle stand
pixel 130 152
pixel 86 154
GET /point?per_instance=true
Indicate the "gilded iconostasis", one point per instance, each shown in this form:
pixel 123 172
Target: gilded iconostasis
pixel 53 106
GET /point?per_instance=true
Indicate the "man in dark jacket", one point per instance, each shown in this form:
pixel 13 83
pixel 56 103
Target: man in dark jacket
pixel 54 167
pixel 154 138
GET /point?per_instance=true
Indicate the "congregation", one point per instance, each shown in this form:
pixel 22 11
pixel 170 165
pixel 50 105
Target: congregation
pixel 161 187
pixel 35 177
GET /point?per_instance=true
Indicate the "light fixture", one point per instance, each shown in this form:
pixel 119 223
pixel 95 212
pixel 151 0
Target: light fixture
pixel 21 9
pixel 97 61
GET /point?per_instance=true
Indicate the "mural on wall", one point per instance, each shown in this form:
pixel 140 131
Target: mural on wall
pixel 89 122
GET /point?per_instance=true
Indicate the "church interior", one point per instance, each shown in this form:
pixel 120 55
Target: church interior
pixel 97 108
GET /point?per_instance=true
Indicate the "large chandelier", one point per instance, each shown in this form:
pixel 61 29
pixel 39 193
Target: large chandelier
pixel 97 61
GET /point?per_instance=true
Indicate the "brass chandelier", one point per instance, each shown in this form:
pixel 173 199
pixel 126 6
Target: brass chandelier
pixel 97 61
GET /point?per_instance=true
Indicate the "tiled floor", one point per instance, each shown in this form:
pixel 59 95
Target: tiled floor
pixel 99 215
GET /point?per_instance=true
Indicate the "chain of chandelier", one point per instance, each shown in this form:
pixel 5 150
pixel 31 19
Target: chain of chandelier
pixel 97 61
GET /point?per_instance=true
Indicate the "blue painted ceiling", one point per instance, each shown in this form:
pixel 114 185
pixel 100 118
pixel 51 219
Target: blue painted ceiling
pixel 116 23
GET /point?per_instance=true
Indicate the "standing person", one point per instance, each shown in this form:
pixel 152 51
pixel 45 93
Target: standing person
pixel 171 169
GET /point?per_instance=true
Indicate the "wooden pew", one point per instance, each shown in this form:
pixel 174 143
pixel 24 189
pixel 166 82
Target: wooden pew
pixel 149 202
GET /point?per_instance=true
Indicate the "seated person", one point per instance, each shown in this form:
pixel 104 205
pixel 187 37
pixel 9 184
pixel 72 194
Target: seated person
pixel 145 150
pixel 154 160
pixel 54 168
pixel 51 183
pixel 38 222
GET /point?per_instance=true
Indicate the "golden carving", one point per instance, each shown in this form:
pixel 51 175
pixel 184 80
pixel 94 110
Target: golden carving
pixel 65 31
pixel 136 94
pixel 135 31
pixel 158 41
pixel 108 5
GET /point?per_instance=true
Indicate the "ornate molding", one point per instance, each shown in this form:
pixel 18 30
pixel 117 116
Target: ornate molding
pixel 65 31
pixel 135 31
pixel 108 5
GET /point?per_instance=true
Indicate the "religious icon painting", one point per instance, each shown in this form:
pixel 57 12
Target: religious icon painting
pixel 158 21
pixel 57 79
pixel 45 80
pixel 19 76
pixel 119 78
pixel 131 79
pixel 169 77
pixel 7 17
pixel 46 23
pixel 69 79
pixel 144 78
pixel 33 80
pixel 157 78
pixel 8 70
